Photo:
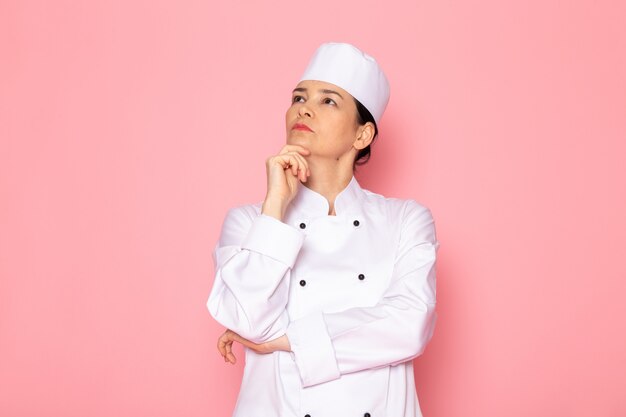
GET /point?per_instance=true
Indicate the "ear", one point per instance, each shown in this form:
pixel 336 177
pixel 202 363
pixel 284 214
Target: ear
pixel 364 135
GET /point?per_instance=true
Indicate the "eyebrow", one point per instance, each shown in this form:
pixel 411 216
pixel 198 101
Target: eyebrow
pixel 324 90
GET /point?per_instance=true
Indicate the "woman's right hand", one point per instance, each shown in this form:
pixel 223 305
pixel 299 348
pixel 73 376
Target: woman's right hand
pixel 283 173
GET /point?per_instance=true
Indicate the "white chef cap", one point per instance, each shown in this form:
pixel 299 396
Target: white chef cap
pixel 348 67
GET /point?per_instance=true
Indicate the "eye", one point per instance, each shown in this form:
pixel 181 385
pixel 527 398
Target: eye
pixel 297 99
pixel 328 100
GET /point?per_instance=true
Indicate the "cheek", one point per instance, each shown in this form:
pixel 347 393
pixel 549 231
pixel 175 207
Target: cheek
pixel 337 136
pixel 345 127
pixel 289 114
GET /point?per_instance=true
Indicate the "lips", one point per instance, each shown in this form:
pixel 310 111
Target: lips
pixel 301 126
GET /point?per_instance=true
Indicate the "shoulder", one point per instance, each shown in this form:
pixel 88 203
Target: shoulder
pixel 414 220
pixel 400 208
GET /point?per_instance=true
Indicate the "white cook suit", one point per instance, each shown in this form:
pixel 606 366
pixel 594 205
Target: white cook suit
pixel 354 292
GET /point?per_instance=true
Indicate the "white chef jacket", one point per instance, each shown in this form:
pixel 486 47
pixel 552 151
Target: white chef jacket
pixel 354 292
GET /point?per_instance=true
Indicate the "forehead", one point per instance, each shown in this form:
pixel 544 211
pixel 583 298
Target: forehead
pixel 314 86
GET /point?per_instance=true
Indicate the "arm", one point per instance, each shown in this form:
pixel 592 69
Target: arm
pixel 395 330
pixel 253 259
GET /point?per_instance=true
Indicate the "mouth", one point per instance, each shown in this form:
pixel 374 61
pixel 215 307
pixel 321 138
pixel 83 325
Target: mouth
pixel 301 126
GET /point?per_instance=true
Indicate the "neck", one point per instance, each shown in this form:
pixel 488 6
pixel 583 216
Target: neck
pixel 328 178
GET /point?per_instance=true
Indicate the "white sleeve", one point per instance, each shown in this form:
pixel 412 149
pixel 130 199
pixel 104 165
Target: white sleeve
pixel 395 330
pixel 253 259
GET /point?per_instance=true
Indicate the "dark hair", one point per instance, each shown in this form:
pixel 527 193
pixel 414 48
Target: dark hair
pixel 364 116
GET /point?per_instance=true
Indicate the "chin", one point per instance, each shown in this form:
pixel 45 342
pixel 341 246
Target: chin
pixel 296 139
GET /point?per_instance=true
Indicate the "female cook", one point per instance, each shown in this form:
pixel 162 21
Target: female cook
pixel 330 287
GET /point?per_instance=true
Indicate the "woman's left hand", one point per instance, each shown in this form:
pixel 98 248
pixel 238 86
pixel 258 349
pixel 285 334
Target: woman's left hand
pixel 225 345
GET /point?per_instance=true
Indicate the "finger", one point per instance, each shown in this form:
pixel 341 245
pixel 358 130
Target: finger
pixel 221 342
pixel 288 148
pixel 304 165
pixel 297 148
pixel 288 162
pixel 301 169
pixel 229 354
pixel 224 339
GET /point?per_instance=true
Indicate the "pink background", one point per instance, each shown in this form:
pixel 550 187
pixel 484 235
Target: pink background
pixel 128 129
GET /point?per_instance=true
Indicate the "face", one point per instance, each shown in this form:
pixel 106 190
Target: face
pixel 323 118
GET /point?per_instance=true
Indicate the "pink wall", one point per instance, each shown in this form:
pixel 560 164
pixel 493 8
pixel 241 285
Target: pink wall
pixel 121 121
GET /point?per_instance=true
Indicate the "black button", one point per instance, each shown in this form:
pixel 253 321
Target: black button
pixel 302 226
pixel 307 415
pixel 302 282
pixel 356 223
pixel 366 415
pixel 361 277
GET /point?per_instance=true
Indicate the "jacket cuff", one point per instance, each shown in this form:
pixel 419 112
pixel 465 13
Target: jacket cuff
pixel 312 349
pixel 269 236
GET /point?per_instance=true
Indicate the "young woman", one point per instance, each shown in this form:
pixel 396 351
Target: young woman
pixel 330 287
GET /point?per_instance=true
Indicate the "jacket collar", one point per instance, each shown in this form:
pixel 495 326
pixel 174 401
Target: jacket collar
pixel 315 204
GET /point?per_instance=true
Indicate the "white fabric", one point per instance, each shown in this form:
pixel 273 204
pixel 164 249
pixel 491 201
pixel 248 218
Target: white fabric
pixel 352 340
pixel 358 73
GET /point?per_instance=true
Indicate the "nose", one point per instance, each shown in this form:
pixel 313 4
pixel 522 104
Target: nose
pixel 305 111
